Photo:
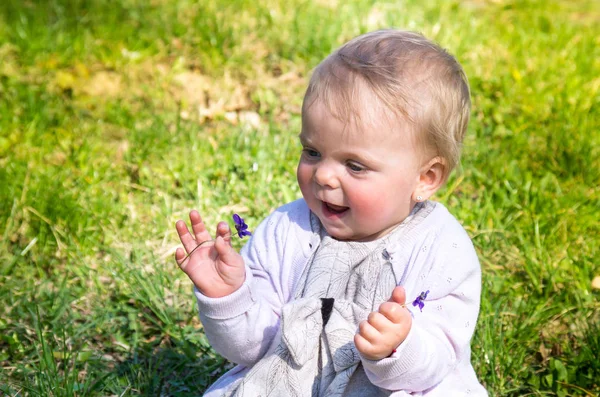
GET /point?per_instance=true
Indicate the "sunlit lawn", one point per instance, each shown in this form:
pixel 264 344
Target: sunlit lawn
pixel 118 117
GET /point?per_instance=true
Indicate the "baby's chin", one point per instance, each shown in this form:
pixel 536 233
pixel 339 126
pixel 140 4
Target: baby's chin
pixel 342 235
pixel 349 235
pixel 335 232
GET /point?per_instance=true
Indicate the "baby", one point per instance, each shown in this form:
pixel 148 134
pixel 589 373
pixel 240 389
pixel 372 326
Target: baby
pixel 318 302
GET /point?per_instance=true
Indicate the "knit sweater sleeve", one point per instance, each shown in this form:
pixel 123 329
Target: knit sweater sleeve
pixel 445 263
pixel 242 325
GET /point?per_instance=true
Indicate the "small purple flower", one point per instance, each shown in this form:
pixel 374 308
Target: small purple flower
pixel 240 226
pixel 419 301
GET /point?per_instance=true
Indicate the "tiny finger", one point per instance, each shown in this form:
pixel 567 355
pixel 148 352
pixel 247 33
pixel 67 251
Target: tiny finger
pixel 365 347
pixel 392 311
pixel 378 321
pixel 361 343
pixel 189 243
pixel 367 331
pixel 179 256
pixel 198 227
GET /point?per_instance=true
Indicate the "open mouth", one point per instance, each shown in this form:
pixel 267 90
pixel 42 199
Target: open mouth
pixel 335 209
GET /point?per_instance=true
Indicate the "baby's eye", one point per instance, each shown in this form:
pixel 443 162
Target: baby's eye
pixel 311 153
pixel 354 167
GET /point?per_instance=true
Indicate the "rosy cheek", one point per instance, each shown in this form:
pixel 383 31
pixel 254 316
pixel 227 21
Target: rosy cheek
pixel 370 203
pixel 303 174
pixel 363 201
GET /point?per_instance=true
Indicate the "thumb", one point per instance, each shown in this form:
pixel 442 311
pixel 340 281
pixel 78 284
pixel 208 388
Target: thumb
pixel 398 295
pixel 227 254
pixel 224 231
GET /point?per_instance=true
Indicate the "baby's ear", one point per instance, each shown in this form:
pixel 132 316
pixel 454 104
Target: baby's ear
pixel 432 177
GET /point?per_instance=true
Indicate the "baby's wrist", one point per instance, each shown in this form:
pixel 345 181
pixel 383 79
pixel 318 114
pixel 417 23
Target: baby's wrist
pixel 220 291
pixel 228 306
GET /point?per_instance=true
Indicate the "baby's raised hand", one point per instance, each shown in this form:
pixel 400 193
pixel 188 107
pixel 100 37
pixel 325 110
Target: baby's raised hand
pixel 215 268
pixel 385 329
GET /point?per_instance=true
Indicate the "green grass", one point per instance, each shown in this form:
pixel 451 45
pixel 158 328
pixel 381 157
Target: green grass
pixel 118 117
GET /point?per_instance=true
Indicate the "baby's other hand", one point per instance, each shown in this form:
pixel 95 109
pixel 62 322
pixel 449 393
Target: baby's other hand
pixel 215 268
pixel 385 329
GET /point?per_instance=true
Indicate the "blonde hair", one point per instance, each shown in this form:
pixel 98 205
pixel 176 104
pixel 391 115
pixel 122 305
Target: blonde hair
pixel 413 77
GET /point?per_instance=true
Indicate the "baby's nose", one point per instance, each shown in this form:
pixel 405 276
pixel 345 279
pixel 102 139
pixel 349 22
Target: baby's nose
pixel 326 176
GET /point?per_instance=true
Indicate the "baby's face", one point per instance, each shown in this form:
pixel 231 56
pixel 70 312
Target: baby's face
pixel 357 177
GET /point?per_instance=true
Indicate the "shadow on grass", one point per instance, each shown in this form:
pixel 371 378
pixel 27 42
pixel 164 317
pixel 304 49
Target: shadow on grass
pixel 171 367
